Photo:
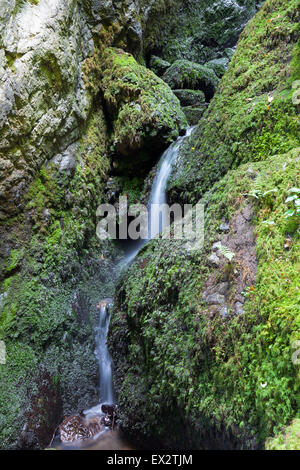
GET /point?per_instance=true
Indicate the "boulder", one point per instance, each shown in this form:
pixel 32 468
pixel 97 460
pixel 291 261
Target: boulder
pixel 190 97
pixel 145 113
pixel 158 65
pixel 193 114
pixel 185 74
pixel 219 66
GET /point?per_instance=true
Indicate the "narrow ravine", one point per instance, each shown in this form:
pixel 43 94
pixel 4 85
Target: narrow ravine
pixel 94 423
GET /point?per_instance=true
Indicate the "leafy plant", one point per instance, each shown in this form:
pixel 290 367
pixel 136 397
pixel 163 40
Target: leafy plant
pixel 258 194
pixel 226 252
pixel 294 198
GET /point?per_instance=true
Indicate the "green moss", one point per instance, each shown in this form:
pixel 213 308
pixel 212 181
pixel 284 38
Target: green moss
pixel 289 440
pixel 185 74
pixel 59 263
pixel 142 107
pixel 196 30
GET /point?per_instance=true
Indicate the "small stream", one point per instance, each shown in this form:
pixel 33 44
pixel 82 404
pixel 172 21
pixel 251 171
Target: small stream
pixel 109 437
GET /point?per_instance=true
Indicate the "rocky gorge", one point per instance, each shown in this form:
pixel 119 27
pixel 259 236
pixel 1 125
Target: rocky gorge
pixel 92 92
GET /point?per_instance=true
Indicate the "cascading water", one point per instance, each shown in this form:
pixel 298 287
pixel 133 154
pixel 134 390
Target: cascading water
pixel 104 359
pixel 103 356
pixel 158 216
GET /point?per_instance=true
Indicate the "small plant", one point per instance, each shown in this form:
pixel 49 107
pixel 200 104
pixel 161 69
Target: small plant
pixel 293 199
pixel 258 194
pixel 226 252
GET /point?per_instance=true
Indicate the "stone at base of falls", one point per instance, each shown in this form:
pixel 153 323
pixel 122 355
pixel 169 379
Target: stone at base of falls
pixel 76 428
pixel 81 428
pixel 109 410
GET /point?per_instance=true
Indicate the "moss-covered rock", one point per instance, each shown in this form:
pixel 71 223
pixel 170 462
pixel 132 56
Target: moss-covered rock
pixel 158 65
pixel 219 66
pixel 185 74
pixel 53 273
pixel 190 97
pixel 211 342
pixel 196 30
pixel 145 113
pixel 194 114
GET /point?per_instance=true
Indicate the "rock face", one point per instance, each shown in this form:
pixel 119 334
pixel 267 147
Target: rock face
pixel 44 97
pixel 248 103
pixel 197 30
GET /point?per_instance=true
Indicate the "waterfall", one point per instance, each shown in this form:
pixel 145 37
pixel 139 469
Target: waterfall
pixel 104 359
pixel 103 356
pixel 158 217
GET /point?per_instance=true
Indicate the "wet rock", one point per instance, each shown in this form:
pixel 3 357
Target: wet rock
pixel 239 308
pixel 215 299
pixel 75 428
pixel 224 227
pixel 109 410
pixel 214 260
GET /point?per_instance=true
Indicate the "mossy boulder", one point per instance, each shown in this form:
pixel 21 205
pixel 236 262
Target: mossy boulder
pixel 185 74
pixel 144 111
pixel 190 97
pixel 194 114
pixel 196 30
pixel 158 65
pixel 219 66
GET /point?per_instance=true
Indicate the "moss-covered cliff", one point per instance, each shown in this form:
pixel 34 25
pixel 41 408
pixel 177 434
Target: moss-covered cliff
pixel 203 343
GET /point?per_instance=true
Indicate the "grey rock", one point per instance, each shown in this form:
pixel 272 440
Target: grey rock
pixel 216 246
pixel 214 260
pixel 215 299
pixel 224 312
pixel 224 227
pixel 239 308
pixel 66 161
pixel 222 288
